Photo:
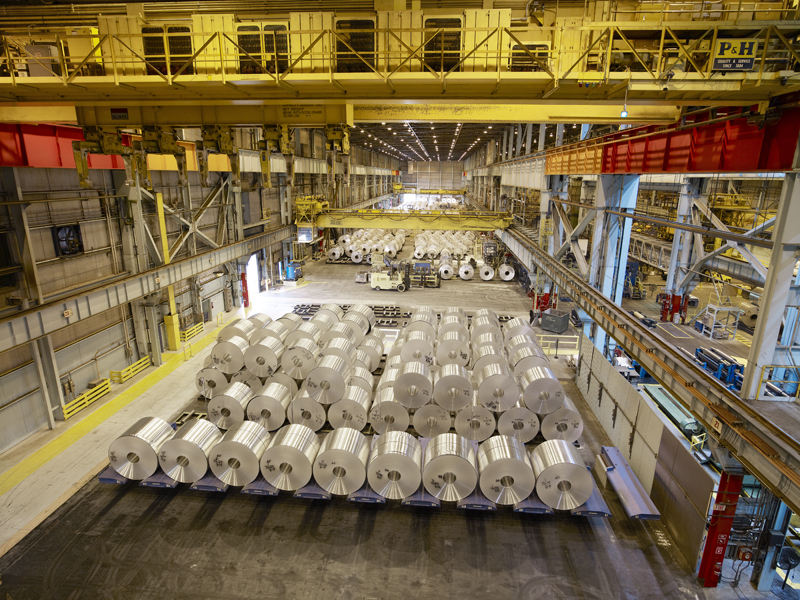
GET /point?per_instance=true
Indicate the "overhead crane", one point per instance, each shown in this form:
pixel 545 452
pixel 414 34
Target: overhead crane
pixel 315 213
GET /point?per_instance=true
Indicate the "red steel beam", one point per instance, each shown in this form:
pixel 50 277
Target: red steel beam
pixel 46 146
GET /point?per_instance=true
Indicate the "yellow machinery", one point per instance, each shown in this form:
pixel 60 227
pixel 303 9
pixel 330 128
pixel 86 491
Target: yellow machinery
pixel 387 281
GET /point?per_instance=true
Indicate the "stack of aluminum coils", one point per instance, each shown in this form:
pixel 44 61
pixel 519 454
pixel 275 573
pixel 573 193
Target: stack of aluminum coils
pixel 449 468
pixel 184 456
pixel 287 462
pixel 506 475
pixel 395 465
pixel 475 422
pixel 235 458
pixel 564 423
pixel 341 463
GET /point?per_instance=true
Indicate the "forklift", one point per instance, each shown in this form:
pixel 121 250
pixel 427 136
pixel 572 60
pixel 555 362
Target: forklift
pixel 396 278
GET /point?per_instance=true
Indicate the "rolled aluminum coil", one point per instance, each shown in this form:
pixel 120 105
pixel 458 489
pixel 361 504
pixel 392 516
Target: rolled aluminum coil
pixel 418 346
pixel 235 459
pixel 419 252
pixel 357 256
pixel 453 323
pixel 387 414
pixel 228 356
pixel 424 322
pixel 287 461
pixel 306 331
pixel 483 325
pixel 228 408
pixel 518 326
pixel 388 378
pixel 395 466
pixel 366 312
pixel 564 423
pixel 362 378
pixel 486 272
pixel 304 410
pixel 519 422
pixel 466 271
pixel 449 468
pixel 494 338
pixel 210 380
pixel 475 422
pixel 379 335
pixel 134 454
pixel 358 324
pixel 506 272
pixel 341 464
pixel 323 321
pixel 452 387
pixel 414 385
pixel 299 359
pixel 527 357
pixel 541 390
pixel 342 348
pixel 453 349
pixel 335 252
pixel 246 377
pixel 364 360
pixel 264 357
pixel 327 381
pixel 276 330
pixel 562 480
pixel 506 475
pixel 338 330
pixel 496 387
pixel 489 313
pixel 446 271
pixel 285 380
pixel 334 311
pixel 268 405
pixel 373 347
pixel 516 342
pixel 291 321
pixel 239 328
pixel 352 410
pixel 431 420
pixel 488 354
pixel 184 457
pixel 260 320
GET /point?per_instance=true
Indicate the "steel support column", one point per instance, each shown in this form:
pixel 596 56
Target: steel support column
pixel 681 251
pixel 719 529
pixel 152 319
pixel 47 368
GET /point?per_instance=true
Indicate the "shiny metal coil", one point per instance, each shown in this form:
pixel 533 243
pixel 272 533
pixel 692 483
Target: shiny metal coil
pixel 364 360
pixel 323 321
pixel 358 324
pixel 497 389
pixel 564 423
pixel 449 468
pixel 454 311
pixel 283 379
pixel 483 325
pixel 228 408
pixel 453 323
pixel 475 422
pixel 414 385
pixel 228 355
pixel 494 338
pixel 387 414
pixel 562 480
pixel 235 458
pixel 246 377
pixel 327 381
pixel 541 390
pixel 299 359
pixel 333 310
pixel 515 342
pixel 466 271
pixel 342 348
pixel 291 321
pixel 395 466
pixel 304 410
pixel 210 380
pixel 341 464
pixel 424 322
pixel 486 312
pixel 184 457
pixel 260 320
pixel 452 387
pixel 418 346
pixel 519 422
pixel 388 379
pixel 486 273
pixel 506 272
pixel 242 328
pixel 276 330
pixel 506 475
pixel 373 347
pixel 527 357
pixel 263 358
pixel 268 405
pixel 287 462
pixel 134 454
pixel 518 326
pixel 338 330
pixel 363 379
pixel 352 410
pixel 431 420
pixel 364 310
pixel 305 331
pixel 488 354
pixel 453 348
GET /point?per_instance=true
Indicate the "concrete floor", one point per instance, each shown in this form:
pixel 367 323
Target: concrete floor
pixel 132 542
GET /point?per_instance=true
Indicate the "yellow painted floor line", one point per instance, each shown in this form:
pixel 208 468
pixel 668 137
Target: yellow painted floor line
pixel 46 453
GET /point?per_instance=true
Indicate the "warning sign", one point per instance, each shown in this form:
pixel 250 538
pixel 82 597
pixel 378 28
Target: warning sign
pixel 735 55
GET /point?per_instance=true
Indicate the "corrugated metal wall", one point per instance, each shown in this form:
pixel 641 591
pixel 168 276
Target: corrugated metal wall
pixel 434 175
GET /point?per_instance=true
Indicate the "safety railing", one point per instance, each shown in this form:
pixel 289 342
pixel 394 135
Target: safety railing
pixel 86 399
pixel 128 372
pixel 194 330
pixel 553 344
pixel 785 378
pixel 657 52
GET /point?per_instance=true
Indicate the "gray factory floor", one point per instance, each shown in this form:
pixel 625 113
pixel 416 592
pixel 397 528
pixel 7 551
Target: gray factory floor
pixel 103 541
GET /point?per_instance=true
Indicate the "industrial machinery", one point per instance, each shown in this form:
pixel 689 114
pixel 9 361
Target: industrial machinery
pixel 396 278
pixel 294 272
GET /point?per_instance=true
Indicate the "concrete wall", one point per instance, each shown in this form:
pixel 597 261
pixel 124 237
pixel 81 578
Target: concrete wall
pixel 658 454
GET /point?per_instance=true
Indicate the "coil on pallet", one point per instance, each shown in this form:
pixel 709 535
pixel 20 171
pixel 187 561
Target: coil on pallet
pixel 276 330
pixel 304 410
pixel 414 385
pixel 235 458
pixel 519 422
pixel 134 454
pixel 263 358
pixel 268 405
pixel 452 388
pixel 299 359
pixel 562 480
pixel 184 457
pixel 227 409
pixel 541 390
pixel 387 414
pixel 341 464
pixel 352 410
pixel 564 423
pixel 496 387
pixel 287 462
pixel 505 471
pixel 228 355
pixel 395 466
pixel 449 468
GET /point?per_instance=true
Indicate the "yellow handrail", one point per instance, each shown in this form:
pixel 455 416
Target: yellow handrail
pixel 86 399
pixel 779 380
pixel 187 334
pixel 128 372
